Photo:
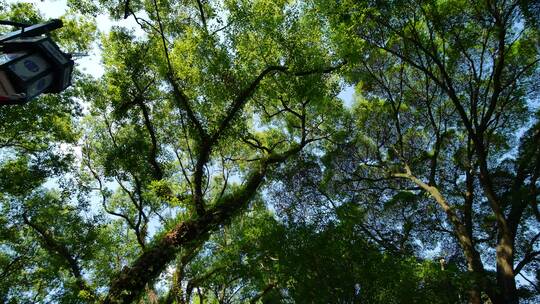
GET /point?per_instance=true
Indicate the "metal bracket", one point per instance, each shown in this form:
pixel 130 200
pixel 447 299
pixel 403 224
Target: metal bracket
pixel 33 30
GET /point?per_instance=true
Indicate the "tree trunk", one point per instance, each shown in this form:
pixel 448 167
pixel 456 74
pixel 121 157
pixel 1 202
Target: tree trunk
pixel 506 280
pixel 463 234
pixel 475 296
pixel 475 267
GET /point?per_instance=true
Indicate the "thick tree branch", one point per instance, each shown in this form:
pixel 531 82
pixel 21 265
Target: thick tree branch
pixel 158 172
pixel 461 232
pixel 179 96
pixel 201 12
pixel 206 144
pixel 152 158
pixel 262 293
pixel 529 256
pixel 130 282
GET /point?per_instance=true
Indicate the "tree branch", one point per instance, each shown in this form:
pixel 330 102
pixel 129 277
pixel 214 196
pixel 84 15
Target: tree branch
pixel 60 250
pixel 130 282
pixel 201 11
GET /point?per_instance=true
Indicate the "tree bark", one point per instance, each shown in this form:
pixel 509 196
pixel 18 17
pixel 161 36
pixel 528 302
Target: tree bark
pixel 474 262
pixel 131 281
pixel 506 280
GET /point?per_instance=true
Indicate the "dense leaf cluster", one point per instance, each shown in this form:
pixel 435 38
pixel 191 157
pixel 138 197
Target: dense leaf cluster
pixel 213 162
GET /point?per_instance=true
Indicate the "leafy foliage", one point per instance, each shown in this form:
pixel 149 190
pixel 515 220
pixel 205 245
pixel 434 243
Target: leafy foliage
pixel 213 162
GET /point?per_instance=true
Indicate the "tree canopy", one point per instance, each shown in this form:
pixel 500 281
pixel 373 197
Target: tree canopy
pixel 215 160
